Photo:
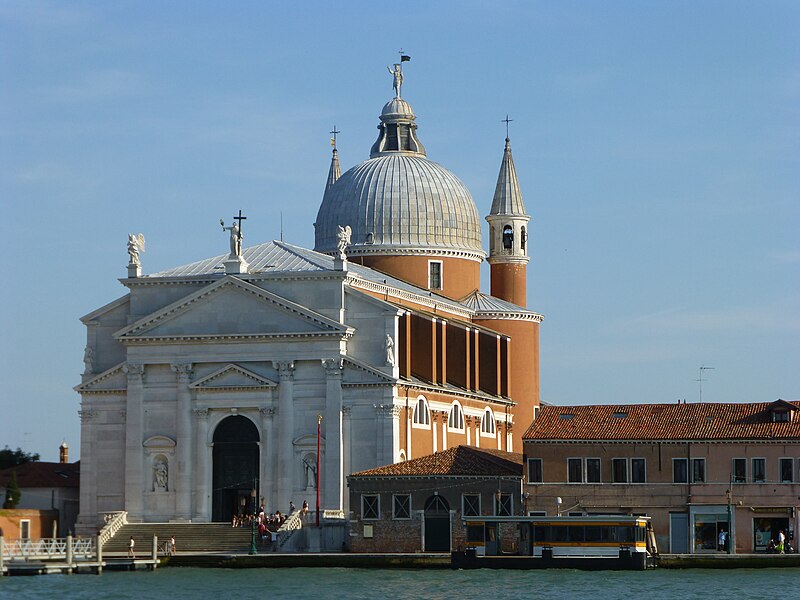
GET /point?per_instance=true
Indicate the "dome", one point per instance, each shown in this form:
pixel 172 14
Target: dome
pixel 399 201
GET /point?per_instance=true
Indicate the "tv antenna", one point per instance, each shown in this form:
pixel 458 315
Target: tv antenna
pixel 700 379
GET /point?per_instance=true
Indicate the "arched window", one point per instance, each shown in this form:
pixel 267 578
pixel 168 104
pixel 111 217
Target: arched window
pixel 422 415
pixel 523 238
pixel 508 237
pixel 487 422
pixel 456 418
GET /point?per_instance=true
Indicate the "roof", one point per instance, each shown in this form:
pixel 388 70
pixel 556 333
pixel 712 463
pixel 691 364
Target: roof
pixel 459 461
pixel 43 475
pixel 280 257
pixel 705 421
pixel 507 195
pixel 486 306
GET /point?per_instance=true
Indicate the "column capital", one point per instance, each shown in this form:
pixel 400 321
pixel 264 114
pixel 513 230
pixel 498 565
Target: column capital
pixel 285 369
pixel 200 413
pixel 135 371
pixel 267 412
pixel 184 371
pixel 347 410
pixel 87 416
pixel 387 410
pixel 333 366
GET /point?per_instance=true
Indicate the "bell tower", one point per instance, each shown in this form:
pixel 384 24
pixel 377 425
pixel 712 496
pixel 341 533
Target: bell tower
pixel 508 235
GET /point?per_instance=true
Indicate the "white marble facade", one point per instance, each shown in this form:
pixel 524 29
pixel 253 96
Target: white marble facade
pixel 179 354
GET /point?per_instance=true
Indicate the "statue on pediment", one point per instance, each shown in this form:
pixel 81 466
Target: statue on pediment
pixel 389 343
pixel 135 247
pixel 343 236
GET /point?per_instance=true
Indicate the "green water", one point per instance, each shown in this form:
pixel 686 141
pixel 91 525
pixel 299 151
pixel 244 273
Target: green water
pixel 317 584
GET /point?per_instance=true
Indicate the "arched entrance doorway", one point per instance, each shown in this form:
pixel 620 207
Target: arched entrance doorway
pixel 437 525
pixel 235 467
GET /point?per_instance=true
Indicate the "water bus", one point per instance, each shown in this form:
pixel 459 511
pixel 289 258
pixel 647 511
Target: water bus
pixel 601 542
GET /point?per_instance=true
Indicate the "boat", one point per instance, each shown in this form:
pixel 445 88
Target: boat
pixel 596 542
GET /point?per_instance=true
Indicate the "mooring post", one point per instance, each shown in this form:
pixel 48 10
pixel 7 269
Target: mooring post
pixel 99 547
pixel 155 552
pixel 2 551
pixel 69 554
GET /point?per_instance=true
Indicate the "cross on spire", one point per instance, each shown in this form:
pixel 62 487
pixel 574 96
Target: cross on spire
pixel 333 139
pixel 507 121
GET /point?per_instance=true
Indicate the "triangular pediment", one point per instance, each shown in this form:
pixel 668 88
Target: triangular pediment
pixel 232 377
pixel 113 380
pixel 358 372
pixel 231 307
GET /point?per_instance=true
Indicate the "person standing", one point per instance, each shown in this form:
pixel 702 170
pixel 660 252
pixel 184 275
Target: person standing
pixel 131 545
pixel 781 541
pixel 172 545
pixel 723 536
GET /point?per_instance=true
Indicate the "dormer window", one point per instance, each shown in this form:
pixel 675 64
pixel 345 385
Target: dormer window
pixel 780 415
pixel 508 237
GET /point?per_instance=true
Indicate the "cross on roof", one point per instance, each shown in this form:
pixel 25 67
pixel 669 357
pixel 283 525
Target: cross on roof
pixel 506 121
pixel 333 133
pixel 240 218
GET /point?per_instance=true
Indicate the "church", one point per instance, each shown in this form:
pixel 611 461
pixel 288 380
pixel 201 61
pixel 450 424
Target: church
pixel 272 372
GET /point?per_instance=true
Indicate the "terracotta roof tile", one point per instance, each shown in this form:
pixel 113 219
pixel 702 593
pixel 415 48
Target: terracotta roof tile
pixel 44 475
pixel 464 461
pixel 707 421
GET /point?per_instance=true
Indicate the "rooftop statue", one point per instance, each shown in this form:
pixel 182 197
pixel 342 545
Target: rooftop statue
pixel 135 246
pixel 397 75
pixel 344 240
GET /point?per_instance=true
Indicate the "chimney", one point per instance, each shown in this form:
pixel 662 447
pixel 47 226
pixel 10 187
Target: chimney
pixel 63 453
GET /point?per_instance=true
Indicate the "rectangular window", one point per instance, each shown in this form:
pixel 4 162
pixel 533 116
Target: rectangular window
pixel 574 470
pixel 619 470
pixel 759 470
pixel 786 467
pixel 698 470
pixel 638 470
pixel 435 274
pixel 370 506
pixel 535 470
pixel 680 470
pixel 502 507
pixel 739 470
pixel 593 470
pixel 24 529
pixel 401 506
pixel 471 505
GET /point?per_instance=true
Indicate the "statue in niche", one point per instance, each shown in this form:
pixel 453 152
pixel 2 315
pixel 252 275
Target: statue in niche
pixel 310 467
pixel 389 350
pixel 135 247
pixel 160 475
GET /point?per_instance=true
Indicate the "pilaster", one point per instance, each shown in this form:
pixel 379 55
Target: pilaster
pixel 285 431
pixel 183 420
pixel 333 481
pixel 267 455
pixel 134 486
pixel 87 519
pixel 202 491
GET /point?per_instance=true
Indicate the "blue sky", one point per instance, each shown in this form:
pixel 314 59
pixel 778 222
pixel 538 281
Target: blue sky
pixel 656 145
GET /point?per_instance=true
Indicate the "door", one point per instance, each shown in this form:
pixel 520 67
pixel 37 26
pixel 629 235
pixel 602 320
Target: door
pixel 235 457
pixel 679 533
pixel 437 525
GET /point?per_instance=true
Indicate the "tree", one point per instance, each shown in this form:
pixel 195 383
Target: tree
pixel 13 494
pixel 13 458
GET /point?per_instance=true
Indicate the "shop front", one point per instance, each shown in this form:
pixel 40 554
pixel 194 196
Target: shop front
pixel 707 522
pixel 767 523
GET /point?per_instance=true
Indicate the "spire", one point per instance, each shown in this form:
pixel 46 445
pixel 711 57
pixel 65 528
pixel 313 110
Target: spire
pixel 334 172
pixel 507 195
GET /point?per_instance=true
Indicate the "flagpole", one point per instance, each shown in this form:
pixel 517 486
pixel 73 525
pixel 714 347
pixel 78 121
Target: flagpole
pixel 319 431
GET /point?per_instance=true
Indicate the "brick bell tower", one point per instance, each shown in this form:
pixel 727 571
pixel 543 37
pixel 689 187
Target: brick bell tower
pixel 508 235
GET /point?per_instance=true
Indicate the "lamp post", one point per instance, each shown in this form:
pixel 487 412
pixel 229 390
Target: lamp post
pixel 730 539
pixel 253 494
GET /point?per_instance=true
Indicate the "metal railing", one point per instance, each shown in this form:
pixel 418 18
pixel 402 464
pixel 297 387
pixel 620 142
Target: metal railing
pixel 47 548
